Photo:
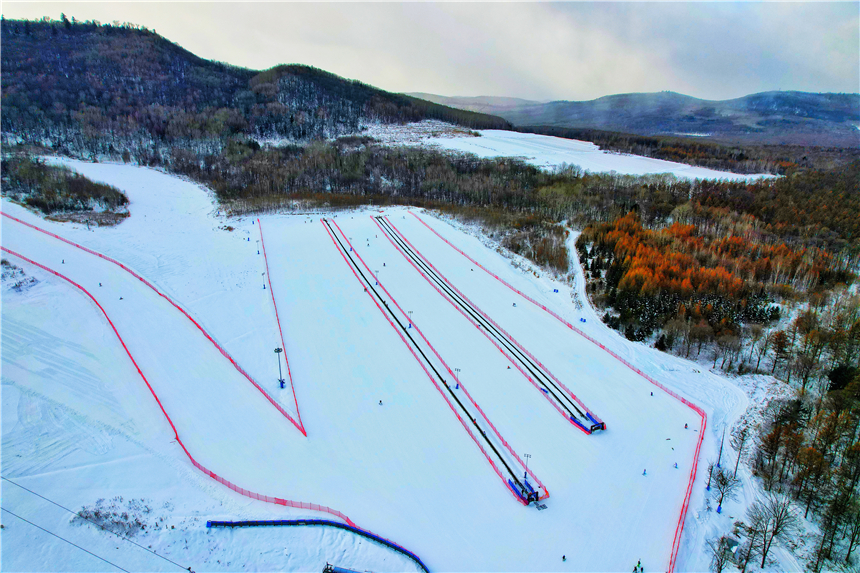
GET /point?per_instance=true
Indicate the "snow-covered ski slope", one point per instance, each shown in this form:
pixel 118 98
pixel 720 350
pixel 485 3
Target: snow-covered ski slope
pixel 552 152
pixel 405 469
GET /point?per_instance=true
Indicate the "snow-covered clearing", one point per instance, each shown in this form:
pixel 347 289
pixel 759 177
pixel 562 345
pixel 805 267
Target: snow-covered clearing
pixel 543 151
pixel 79 424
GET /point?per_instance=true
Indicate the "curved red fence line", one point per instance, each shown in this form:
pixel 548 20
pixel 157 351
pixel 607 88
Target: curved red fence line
pixel 195 463
pixel 445 364
pixel 676 542
pixel 498 327
pixel 423 366
pixel 281 332
pixel 176 306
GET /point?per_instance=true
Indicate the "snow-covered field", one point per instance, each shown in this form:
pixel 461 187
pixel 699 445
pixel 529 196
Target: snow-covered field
pixel 79 424
pixel 544 151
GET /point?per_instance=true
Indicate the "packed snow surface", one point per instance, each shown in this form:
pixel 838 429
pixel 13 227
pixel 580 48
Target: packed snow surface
pixel 79 424
pixel 544 151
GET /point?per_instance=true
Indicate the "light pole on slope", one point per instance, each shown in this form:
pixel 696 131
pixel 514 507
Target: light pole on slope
pixel 280 376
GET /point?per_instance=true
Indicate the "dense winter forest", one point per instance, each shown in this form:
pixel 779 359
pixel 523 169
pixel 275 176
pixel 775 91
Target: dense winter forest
pixel 64 80
pixel 777 159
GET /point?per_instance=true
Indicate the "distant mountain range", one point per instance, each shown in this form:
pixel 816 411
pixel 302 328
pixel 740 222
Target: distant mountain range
pixel 789 117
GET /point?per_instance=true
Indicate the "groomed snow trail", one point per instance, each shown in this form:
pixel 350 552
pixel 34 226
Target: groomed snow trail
pixel 281 348
pixel 405 469
pixel 79 424
pixel 702 415
pixel 187 384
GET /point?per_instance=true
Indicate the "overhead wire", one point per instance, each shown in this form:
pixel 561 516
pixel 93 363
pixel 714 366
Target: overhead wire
pixel 93 522
pixel 66 540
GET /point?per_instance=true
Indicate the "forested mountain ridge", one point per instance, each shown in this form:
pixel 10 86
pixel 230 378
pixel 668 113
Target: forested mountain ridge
pixel 779 117
pixel 65 80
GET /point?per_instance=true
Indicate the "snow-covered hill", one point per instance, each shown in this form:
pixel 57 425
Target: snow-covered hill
pixel 542 151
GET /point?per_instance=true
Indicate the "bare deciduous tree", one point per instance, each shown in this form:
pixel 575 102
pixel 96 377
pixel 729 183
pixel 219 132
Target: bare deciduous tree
pixel 738 441
pixel 726 485
pixel 720 554
pixel 774 518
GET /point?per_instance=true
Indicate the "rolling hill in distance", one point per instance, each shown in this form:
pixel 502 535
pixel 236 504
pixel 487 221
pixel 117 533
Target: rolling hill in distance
pixel 777 117
pixel 61 80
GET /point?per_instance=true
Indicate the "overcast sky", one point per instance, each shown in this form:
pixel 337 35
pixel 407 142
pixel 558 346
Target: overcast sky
pixel 542 51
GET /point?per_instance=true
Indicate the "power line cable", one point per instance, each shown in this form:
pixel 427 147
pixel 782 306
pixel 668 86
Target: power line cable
pixel 64 539
pixel 94 523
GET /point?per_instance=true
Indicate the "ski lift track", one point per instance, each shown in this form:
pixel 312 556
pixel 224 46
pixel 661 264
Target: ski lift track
pixel 404 332
pixel 487 326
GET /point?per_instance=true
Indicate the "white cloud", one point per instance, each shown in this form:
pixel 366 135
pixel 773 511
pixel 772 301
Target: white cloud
pixel 531 50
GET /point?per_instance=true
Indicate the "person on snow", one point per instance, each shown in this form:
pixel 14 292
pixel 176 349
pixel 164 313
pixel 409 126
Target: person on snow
pixel 380 402
pixel 685 426
pixel 564 558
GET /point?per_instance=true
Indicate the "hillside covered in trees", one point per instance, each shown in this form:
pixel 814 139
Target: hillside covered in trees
pixel 125 87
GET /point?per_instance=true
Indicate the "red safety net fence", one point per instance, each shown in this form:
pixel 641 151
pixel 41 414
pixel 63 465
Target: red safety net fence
pixel 281 332
pixel 442 360
pixel 195 463
pixel 177 307
pixel 420 362
pixel 676 542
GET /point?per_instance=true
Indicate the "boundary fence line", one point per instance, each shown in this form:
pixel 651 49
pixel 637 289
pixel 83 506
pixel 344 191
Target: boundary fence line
pixel 301 425
pixel 195 463
pixel 176 306
pixel 679 528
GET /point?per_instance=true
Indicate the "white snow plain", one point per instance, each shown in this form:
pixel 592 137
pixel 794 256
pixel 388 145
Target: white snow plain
pixel 545 151
pixel 405 470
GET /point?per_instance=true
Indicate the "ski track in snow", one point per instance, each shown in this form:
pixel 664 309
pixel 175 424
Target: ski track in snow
pixel 404 470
